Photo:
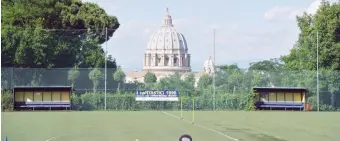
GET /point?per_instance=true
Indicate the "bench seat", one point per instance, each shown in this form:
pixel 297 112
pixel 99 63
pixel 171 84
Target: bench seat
pixel 280 105
pixel 43 104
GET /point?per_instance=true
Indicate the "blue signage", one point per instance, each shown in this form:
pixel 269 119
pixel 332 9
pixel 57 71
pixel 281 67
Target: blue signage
pixel 157 95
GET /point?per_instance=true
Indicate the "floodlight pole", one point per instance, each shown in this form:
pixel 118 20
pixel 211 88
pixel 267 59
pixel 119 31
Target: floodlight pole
pixel 105 65
pixel 214 69
pixel 317 70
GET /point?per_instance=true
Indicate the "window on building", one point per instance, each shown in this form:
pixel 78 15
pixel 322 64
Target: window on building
pixel 166 61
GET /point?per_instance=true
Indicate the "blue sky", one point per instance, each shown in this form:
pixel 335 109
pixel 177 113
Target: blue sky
pixel 246 30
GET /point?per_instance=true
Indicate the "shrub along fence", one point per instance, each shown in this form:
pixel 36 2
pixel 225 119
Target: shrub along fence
pixel 91 101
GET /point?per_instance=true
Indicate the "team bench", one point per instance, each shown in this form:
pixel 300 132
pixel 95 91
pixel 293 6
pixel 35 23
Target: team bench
pixel 42 97
pixel 45 104
pixel 280 105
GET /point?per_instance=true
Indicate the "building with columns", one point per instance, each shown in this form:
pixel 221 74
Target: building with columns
pixel 167 50
pixel 167 53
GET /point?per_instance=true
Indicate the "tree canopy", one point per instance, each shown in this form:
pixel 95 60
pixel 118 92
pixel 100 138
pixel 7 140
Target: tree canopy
pixel 326 22
pixel 54 33
pixel 150 78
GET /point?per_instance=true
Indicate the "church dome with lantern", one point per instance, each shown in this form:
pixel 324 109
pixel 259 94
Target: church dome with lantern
pixel 167 49
pixel 209 66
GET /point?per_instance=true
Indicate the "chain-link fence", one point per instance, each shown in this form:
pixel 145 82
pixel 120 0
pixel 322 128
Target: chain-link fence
pixel 232 87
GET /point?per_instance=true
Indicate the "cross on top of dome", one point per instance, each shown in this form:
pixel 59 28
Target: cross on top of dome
pixel 167 21
pixel 167 11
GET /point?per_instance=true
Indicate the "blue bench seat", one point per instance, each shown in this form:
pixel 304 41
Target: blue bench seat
pixel 280 104
pixel 43 104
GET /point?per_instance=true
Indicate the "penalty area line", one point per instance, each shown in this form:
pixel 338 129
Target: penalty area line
pixel 206 128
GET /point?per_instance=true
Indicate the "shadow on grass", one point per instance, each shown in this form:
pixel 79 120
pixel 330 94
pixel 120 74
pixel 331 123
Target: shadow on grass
pixel 249 134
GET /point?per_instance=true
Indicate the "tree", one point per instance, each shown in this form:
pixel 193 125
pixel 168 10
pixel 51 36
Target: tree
pixel 204 81
pixel 330 82
pixel 54 33
pixel 111 63
pixel 150 78
pixel 272 65
pixel 303 56
pixel 229 67
pixel 190 80
pixel 327 23
pixel 96 76
pixel 174 82
pixel 73 74
pixel 119 76
pixel 224 72
pixel 273 70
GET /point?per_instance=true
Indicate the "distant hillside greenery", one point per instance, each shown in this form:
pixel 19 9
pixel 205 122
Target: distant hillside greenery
pixel 233 84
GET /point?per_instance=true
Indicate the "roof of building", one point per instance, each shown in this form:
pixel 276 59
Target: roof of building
pixel 41 88
pixel 280 89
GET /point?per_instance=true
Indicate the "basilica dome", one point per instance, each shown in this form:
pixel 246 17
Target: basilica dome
pixel 167 37
pixel 167 49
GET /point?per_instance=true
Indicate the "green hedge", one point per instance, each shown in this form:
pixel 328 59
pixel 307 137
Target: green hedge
pixel 90 101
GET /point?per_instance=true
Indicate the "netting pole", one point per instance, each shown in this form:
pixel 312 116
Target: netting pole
pixel 105 65
pixel 317 69
pixel 193 110
pixel 181 108
pixel 214 91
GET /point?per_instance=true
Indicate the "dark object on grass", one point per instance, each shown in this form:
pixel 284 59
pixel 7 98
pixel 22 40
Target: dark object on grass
pixel 185 137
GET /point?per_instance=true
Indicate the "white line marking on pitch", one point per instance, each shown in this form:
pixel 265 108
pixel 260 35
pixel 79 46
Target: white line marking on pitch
pixel 51 138
pixel 206 128
pixel 54 137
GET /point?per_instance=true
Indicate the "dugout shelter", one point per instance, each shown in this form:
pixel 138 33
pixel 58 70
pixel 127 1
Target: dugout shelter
pixel 42 98
pixel 272 98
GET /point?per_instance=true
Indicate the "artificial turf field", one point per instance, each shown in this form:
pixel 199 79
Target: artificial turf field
pixel 163 126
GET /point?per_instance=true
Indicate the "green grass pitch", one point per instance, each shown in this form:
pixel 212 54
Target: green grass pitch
pixel 158 126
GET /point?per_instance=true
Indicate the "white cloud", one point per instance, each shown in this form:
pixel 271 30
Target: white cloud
pixel 290 12
pixel 313 7
pixel 279 13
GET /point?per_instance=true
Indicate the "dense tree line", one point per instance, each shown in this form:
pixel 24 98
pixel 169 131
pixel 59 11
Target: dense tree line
pixel 54 34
